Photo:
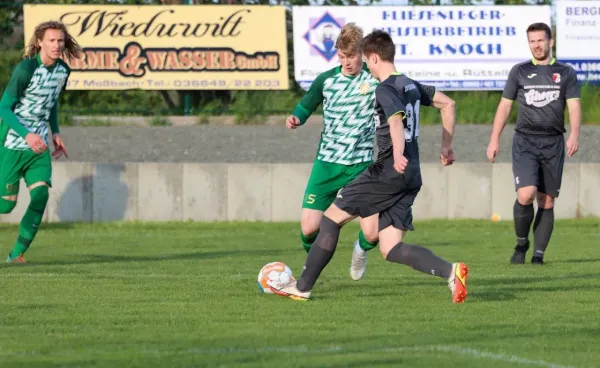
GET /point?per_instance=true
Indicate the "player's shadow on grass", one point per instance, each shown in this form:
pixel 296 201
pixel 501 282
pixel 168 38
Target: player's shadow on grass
pixel 505 289
pixel 108 258
pixel 582 260
pixel 102 196
pixel 529 279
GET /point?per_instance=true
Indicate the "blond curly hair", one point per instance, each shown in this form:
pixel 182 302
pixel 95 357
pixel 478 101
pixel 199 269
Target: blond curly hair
pixel 72 49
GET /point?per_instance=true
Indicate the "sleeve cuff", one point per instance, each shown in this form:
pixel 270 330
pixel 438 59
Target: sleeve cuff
pixel 301 113
pixel 397 113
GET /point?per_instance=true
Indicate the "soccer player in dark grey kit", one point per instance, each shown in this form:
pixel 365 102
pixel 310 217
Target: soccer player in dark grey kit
pixel 542 87
pixel 390 185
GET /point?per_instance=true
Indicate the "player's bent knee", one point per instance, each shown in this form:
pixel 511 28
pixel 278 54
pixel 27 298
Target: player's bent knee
pixel 545 201
pixel 389 238
pixel 310 221
pixel 39 198
pixel 385 248
pixel 371 233
pixel 7 204
pixel 371 237
pixel 370 228
pixel 526 195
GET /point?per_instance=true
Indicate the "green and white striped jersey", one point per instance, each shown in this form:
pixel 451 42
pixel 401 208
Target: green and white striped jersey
pixel 29 103
pixel 348 115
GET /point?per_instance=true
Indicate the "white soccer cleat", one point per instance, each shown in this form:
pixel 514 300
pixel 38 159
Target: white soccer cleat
pixel 358 265
pixel 289 289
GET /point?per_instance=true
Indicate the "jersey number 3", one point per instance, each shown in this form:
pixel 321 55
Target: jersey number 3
pixel 411 124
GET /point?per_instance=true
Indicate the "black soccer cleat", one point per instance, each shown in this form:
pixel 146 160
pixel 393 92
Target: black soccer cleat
pixel 537 260
pixel 518 256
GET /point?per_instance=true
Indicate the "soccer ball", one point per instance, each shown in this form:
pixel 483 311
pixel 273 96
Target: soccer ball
pixel 274 271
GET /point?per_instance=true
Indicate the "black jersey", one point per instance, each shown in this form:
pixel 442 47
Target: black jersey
pixel 542 92
pixel 399 94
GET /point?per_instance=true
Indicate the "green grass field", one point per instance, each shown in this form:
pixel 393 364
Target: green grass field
pixel 170 295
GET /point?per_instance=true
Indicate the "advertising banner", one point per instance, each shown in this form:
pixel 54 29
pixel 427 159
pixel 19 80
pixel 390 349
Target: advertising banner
pixel 451 47
pixel 578 38
pixel 179 47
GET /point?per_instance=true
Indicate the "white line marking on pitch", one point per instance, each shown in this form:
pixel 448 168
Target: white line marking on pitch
pixel 392 349
pixel 330 350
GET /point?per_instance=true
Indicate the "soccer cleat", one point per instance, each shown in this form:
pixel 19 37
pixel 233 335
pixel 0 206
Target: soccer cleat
pixel 16 260
pixel 289 289
pixel 537 260
pixel 358 265
pixel 458 282
pixel 518 256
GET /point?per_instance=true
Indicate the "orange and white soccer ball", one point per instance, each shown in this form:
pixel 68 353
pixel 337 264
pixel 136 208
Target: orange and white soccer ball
pixel 274 271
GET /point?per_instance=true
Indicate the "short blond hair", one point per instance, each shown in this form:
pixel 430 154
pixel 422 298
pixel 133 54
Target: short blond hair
pixel 350 39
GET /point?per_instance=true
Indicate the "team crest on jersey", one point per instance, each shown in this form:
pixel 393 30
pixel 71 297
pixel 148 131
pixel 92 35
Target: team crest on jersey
pixel 364 88
pixel 322 34
pixel 556 77
pixel 12 188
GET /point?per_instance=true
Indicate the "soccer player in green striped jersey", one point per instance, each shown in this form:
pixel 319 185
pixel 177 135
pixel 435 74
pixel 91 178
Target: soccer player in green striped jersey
pixel 347 93
pixel 28 106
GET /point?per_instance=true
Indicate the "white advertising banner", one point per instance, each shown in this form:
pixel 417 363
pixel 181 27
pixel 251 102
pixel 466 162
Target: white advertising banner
pixel 451 47
pixel 578 38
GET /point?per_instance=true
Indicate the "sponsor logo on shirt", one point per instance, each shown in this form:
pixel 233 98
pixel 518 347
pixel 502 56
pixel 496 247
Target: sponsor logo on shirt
pixel 540 99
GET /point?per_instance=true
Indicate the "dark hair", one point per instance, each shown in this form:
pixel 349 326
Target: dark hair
pixel 379 43
pixel 540 27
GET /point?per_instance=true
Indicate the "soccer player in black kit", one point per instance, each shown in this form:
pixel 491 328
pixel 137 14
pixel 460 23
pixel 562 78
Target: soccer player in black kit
pixel 542 86
pixel 391 184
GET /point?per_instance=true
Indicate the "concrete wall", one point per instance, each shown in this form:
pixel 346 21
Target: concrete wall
pixel 273 192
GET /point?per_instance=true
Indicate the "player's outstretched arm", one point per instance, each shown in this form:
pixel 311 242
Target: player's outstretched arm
pixel 447 108
pixel 308 104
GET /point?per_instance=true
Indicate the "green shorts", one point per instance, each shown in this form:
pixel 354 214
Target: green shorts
pixel 28 165
pixel 326 179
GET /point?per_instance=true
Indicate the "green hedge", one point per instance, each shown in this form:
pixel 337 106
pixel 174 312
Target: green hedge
pixel 472 107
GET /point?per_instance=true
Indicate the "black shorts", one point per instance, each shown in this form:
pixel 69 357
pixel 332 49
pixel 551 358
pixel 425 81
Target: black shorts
pixel 538 160
pixel 381 189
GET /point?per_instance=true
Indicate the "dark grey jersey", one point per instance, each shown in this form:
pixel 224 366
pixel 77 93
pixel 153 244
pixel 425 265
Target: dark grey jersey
pixel 542 92
pixel 399 94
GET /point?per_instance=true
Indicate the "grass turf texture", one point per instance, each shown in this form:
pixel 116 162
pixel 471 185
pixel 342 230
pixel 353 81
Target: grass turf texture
pixel 156 295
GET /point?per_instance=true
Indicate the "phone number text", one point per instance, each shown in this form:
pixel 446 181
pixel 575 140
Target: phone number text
pixel 75 83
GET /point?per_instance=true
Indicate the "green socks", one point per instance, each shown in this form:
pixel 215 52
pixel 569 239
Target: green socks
pixel 308 240
pixel 31 221
pixel 364 243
